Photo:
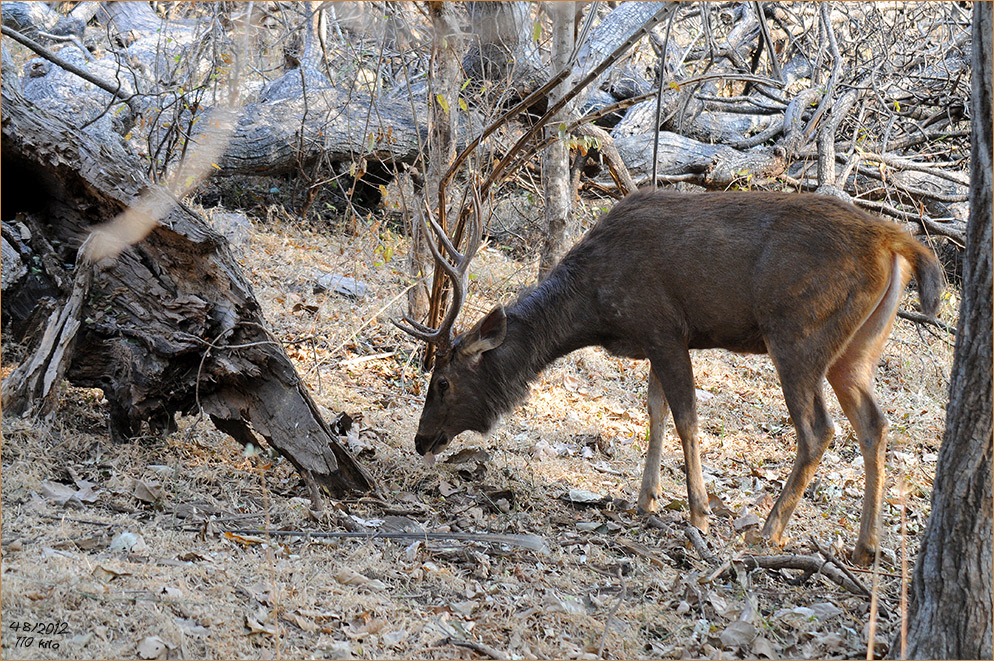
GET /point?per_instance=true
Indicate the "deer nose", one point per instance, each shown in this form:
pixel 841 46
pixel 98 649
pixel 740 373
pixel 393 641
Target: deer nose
pixel 425 443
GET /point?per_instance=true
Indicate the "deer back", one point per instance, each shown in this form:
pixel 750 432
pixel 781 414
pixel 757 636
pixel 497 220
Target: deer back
pixel 727 269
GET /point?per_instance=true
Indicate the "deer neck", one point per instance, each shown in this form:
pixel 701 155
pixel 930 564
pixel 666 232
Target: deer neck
pixel 547 323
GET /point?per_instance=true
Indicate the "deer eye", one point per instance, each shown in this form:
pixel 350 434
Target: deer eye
pixel 443 385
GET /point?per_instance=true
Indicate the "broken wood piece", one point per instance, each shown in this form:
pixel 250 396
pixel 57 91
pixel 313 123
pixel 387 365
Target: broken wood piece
pixel 365 359
pixel 806 563
pixel 831 558
pixel 476 646
pixel 640 550
pixel 697 541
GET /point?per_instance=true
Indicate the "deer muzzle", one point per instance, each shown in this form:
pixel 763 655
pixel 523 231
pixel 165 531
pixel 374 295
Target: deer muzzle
pixel 427 444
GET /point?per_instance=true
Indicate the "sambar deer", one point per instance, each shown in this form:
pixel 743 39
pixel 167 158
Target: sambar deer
pixel 811 280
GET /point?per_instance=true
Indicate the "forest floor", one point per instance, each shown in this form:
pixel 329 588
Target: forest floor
pixel 121 551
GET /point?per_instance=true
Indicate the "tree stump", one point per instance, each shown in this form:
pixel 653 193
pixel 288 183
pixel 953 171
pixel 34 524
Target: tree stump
pixel 171 326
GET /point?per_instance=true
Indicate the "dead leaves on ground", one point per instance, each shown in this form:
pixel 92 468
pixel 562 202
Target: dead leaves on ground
pixel 136 538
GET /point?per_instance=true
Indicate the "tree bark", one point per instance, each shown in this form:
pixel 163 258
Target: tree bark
pixel 502 53
pixel 170 326
pixel 555 161
pixel 951 607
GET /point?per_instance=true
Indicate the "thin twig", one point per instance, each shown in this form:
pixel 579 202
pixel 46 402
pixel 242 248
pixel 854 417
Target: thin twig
pixel 768 40
pixel 476 646
pixel 610 616
pixel 659 100
pixel 920 318
pixel 845 570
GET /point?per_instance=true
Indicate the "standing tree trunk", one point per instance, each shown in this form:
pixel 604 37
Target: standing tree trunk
pixel 555 162
pixel 951 597
pixel 502 54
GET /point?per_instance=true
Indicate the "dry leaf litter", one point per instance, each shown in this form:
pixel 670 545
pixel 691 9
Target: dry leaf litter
pixel 128 549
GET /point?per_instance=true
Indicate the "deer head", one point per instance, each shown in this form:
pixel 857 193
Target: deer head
pixel 461 377
pixel 456 376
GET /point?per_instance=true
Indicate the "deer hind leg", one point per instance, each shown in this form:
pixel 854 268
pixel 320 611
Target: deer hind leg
pixel 671 365
pixel 853 386
pixel 803 393
pixel 851 376
pixel 649 493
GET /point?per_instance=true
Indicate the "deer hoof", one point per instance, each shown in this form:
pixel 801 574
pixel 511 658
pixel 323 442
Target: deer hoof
pixel 648 503
pixel 773 534
pixel 863 555
pixel 700 522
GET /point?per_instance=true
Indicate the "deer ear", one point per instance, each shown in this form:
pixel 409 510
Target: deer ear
pixel 487 334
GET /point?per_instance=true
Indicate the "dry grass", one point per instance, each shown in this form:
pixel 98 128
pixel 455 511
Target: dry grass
pixel 196 592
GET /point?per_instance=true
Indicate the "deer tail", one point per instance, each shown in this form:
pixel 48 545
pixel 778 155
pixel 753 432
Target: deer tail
pixel 928 274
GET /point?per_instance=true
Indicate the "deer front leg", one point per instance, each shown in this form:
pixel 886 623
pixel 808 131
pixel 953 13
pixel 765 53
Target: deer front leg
pixel 672 367
pixel 697 497
pixel 649 494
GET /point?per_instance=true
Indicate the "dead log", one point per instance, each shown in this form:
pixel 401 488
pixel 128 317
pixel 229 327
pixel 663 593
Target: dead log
pixel 683 159
pixel 293 121
pixel 171 326
pixel 39 21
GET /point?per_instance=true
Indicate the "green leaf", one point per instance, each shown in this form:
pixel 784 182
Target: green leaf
pixel 537 31
pixel 443 104
pixel 462 104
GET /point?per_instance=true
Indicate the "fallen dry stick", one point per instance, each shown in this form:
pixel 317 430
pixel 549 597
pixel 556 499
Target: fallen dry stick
pixel 831 557
pixel 806 563
pixel 531 542
pixel 477 647
pixel 697 540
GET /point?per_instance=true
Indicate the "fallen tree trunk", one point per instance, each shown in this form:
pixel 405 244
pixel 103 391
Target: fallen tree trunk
pixel 684 159
pixel 293 121
pixel 171 326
